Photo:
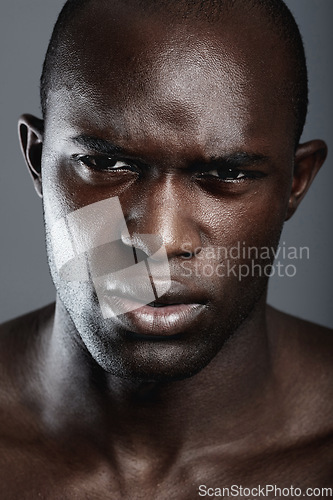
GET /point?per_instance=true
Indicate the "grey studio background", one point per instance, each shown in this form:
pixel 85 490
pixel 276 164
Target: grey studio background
pixel 25 281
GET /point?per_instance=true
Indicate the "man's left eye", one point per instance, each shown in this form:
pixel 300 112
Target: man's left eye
pixel 228 175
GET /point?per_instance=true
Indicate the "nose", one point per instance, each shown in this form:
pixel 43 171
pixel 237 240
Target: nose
pixel 166 210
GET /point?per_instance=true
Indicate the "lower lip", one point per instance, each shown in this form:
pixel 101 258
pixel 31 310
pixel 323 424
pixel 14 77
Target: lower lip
pixel 163 321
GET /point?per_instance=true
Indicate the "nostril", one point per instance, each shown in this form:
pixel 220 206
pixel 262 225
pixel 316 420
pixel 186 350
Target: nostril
pixel 189 250
pixel 144 245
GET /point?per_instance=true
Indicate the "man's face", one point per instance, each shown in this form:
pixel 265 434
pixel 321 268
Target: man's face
pixel 186 128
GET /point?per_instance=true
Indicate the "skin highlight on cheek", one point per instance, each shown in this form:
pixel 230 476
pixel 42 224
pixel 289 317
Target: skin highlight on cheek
pixel 93 243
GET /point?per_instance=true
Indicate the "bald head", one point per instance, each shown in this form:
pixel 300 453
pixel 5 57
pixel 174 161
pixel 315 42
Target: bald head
pixel 264 31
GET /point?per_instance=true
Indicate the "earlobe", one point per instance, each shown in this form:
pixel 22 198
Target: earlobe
pixel 309 157
pixel 31 138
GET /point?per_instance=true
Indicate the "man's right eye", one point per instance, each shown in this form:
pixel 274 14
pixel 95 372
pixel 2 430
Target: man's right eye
pixel 103 163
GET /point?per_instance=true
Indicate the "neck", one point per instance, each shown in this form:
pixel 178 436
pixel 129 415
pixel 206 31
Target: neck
pixel 226 394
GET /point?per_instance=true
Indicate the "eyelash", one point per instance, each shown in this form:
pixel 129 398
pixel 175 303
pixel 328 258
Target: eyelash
pixel 226 175
pixel 92 163
pixel 231 175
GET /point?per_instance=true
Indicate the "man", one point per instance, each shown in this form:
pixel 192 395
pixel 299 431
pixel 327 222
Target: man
pixel 176 125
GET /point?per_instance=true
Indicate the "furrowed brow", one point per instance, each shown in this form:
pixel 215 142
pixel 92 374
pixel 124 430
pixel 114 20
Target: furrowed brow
pixel 239 159
pixel 97 144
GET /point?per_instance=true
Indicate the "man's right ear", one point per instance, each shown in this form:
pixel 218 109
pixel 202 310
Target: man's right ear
pixel 31 130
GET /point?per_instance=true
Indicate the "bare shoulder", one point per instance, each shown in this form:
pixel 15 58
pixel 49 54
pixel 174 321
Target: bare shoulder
pixel 302 357
pixel 18 330
pixel 304 337
pixel 19 341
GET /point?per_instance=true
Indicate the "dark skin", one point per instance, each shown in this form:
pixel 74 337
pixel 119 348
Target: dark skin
pixel 244 394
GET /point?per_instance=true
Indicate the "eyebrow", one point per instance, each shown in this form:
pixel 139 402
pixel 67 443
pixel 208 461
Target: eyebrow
pixel 238 159
pixel 97 144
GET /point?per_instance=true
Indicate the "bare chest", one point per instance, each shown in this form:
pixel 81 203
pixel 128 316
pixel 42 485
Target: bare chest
pixel 46 471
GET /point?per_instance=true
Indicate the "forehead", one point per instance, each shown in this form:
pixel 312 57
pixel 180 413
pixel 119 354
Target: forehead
pixel 126 68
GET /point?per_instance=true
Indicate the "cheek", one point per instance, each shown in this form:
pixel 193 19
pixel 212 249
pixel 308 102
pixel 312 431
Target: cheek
pixel 253 219
pixel 66 187
pixel 58 191
pixel 241 233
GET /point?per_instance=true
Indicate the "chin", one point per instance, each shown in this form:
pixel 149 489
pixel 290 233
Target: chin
pixel 160 361
pixel 113 346
pixel 147 373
